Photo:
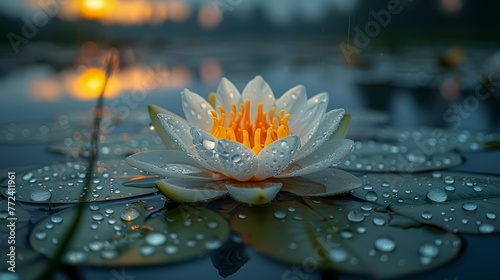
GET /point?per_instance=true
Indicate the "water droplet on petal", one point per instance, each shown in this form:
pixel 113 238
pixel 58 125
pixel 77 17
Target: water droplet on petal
pixel 491 215
pixel 212 224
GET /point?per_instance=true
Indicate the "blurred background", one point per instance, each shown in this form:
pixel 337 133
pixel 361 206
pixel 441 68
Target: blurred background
pixel 398 62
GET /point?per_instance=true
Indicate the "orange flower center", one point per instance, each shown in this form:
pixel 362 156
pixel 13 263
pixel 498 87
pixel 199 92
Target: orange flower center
pixel 264 130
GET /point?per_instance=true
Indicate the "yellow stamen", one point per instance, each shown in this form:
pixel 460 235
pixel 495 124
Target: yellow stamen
pixel 266 128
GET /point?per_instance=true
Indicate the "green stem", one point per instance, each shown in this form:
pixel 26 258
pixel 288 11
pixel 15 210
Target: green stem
pixel 56 262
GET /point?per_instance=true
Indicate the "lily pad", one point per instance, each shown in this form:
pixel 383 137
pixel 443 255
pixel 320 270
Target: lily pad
pixel 345 235
pixel 113 145
pixel 63 183
pixel 384 157
pixel 121 235
pixel 32 132
pixel 441 140
pixel 457 202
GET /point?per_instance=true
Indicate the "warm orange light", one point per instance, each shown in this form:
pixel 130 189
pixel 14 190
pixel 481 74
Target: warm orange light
pixel 45 90
pixel 210 71
pixel 178 11
pixel 209 16
pixel 95 9
pixel 89 84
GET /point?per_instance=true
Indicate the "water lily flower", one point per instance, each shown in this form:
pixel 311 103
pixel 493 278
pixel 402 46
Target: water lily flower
pixel 250 145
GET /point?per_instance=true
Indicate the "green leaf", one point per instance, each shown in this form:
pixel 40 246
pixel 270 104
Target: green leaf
pixel 165 137
pixel 343 128
pixel 108 237
pixel 344 235
pixel 385 157
pixel 64 183
pixel 457 202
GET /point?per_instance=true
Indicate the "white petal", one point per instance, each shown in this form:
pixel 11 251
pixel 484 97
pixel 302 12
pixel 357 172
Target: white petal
pixel 197 110
pixel 254 192
pixel 309 122
pixel 327 182
pixel 178 129
pixel 227 93
pixel 167 140
pixel 204 145
pixel 318 98
pixel 326 127
pixel 186 190
pixel 273 159
pixel 294 102
pixel 331 152
pixel 257 90
pixel 238 161
pixel 170 163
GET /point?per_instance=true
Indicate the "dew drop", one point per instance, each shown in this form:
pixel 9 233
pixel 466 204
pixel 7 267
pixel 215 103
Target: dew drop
pixel 129 213
pixel 437 195
pixel 171 249
pixel 469 206
pixel 338 255
pixel 109 254
pixel 428 250
pixel 40 195
pixel 97 217
pixel 486 228
pixel 76 257
pixel 56 219
pixel 491 215
pixel 292 246
pixel 355 216
pixel 155 238
pixel 279 214
pixel 378 221
pixel 426 215
pixel 416 157
pixel 41 235
pixel 385 244
pixel 146 250
pixel 212 225
pixel 96 245
pixel 212 243
pixel 449 180
pixel 242 216
pixel 371 196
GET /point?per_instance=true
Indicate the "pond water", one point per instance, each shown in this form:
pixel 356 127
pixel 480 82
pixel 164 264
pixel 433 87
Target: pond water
pixel 47 103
